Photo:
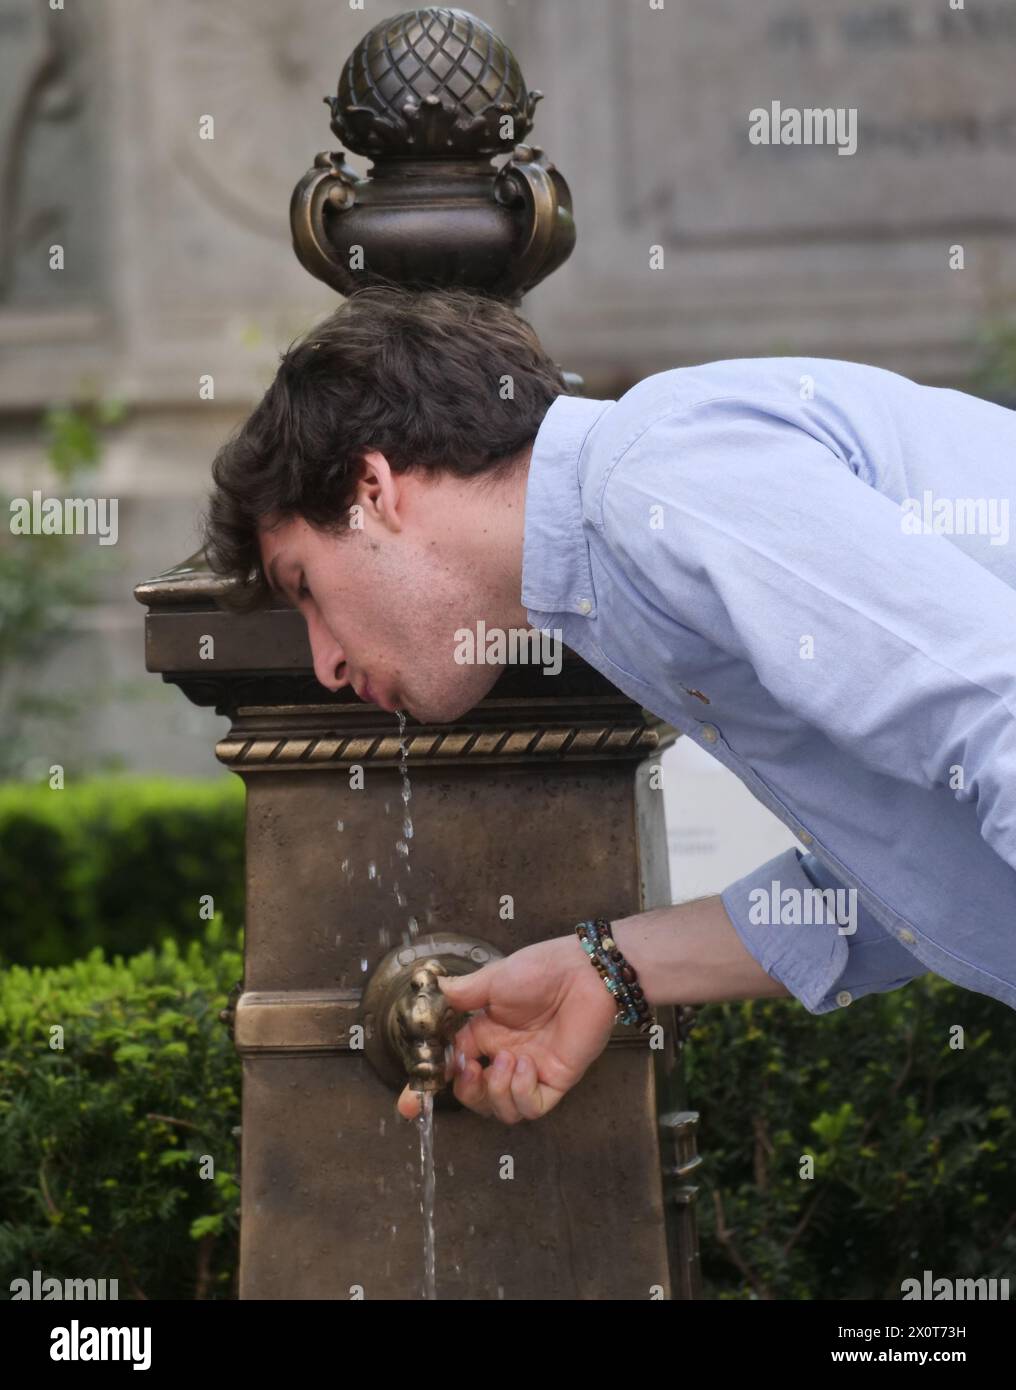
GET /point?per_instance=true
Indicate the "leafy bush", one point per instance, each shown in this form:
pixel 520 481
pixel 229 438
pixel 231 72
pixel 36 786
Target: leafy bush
pixel 912 1140
pixel 119 863
pixel 117 1153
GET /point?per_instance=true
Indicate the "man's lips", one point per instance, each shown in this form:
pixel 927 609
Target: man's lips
pixel 376 698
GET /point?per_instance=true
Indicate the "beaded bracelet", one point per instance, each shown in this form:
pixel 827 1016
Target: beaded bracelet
pixel 616 973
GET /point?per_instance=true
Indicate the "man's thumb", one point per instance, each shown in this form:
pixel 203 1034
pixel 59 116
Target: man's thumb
pixel 468 992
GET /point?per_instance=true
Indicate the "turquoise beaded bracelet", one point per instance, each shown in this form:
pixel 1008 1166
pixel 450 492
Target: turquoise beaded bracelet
pixel 616 973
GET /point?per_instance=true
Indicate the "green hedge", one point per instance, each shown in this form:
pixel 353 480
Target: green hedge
pixel 120 863
pixel 102 1142
pixel 912 1139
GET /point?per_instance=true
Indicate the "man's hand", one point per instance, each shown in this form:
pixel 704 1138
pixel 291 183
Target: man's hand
pixel 543 1014
pixel 542 1017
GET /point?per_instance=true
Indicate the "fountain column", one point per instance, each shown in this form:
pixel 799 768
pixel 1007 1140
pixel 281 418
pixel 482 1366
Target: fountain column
pixel 544 793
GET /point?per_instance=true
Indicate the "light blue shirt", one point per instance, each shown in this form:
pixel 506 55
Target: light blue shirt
pixel 821 550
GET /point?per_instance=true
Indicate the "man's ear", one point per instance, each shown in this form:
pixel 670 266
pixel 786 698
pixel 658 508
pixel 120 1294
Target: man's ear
pixel 379 490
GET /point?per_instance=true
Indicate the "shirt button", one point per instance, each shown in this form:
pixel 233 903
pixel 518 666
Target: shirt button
pixel 804 837
pixel 709 733
pixel 908 937
pixel 585 606
pixel 844 998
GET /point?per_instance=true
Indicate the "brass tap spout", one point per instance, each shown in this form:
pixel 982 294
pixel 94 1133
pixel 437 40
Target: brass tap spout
pixel 407 1021
pixel 426 1022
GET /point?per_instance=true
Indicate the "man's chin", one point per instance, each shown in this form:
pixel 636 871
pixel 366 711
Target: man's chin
pixel 446 712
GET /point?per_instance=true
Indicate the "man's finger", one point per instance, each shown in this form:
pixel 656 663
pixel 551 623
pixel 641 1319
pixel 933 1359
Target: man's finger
pixel 480 1037
pixel 468 992
pixel 408 1103
pixel 466 1044
pixel 471 1089
pixel 498 1078
pixel 533 1097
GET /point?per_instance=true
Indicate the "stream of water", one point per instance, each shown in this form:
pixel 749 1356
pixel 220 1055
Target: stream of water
pixel 425 1124
pixel 425 1119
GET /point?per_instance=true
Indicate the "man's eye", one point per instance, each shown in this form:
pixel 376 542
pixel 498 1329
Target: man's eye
pixel 302 591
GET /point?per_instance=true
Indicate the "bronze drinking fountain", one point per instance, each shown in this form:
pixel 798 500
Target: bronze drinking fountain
pixel 544 793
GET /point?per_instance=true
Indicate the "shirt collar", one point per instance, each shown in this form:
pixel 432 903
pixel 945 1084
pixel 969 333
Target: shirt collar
pixel 556 573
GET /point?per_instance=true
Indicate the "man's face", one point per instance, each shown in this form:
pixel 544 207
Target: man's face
pixel 383 599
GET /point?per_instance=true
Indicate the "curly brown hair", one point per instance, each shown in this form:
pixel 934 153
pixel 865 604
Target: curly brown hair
pixel 418 375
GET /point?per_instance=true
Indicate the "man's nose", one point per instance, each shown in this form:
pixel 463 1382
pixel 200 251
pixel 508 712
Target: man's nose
pixel 328 658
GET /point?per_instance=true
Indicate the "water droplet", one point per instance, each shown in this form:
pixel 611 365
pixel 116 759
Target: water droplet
pixel 372 870
pixel 340 825
pixel 407 828
pixel 363 965
pixel 401 847
pixel 414 926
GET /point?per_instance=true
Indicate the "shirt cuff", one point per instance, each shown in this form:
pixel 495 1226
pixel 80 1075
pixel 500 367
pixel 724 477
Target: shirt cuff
pixel 826 961
pixel 876 961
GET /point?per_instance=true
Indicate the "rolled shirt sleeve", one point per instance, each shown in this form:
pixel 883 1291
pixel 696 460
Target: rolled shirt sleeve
pixel 826 962
pixel 770 539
